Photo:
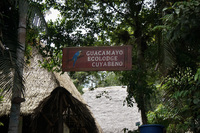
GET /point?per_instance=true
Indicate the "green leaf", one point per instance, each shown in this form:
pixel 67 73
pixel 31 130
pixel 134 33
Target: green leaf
pixel 177 11
pixel 1 124
pixel 196 101
pixel 197 75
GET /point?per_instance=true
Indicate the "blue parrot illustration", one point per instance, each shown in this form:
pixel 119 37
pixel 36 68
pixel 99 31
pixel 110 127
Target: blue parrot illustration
pixel 76 55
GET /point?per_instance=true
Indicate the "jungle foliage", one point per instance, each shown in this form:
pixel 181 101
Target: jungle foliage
pixel 180 107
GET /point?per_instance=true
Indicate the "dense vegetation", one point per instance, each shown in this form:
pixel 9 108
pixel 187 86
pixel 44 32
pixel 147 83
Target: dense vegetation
pixel 165 75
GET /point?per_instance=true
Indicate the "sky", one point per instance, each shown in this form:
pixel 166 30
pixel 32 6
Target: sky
pixel 52 15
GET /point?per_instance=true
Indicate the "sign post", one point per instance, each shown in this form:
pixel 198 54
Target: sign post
pixel 106 58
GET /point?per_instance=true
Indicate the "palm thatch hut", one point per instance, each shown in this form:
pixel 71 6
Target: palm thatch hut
pixel 52 104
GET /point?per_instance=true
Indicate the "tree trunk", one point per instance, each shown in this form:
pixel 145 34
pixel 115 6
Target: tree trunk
pixel 140 64
pixel 143 112
pixel 17 87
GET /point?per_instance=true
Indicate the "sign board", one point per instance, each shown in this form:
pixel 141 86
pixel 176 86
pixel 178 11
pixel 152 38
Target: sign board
pixel 106 58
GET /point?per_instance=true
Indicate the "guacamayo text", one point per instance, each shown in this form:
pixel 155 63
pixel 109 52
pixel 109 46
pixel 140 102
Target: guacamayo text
pixel 104 58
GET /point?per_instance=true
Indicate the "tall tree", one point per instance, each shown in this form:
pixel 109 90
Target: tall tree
pixel 14 17
pixel 109 23
pixel 16 91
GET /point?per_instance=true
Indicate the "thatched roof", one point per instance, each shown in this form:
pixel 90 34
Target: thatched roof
pixel 110 100
pixel 41 87
pixel 77 116
pixel 39 83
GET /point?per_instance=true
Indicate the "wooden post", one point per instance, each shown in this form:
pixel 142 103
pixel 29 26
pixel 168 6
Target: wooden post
pixel 60 121
pixel 66 128
pixel 20 124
